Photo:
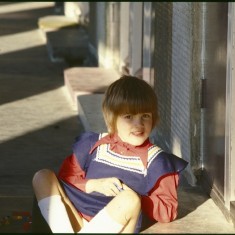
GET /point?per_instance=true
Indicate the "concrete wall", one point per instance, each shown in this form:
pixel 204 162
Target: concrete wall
pixel 148 42
pixel 77 10
pixel 174 46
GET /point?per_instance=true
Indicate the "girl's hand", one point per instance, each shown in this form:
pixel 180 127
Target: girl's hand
pixel 107 186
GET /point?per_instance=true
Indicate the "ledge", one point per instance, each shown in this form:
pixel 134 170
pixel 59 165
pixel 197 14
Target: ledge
pixel 86 87
pixel 56 22
pixel 88 80
pixel 66 40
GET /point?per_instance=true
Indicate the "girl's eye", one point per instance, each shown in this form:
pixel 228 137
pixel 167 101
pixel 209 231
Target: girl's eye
pixel 147 115
pixel 127 116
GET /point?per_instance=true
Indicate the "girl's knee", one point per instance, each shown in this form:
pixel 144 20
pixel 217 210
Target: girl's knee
pixel 125 206
pixel 131 200
pixel 42 176
pixel 45 184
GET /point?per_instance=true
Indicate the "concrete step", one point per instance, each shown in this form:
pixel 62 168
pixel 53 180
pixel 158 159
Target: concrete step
pixel 197 214
pixel 86 87
pixel 90 112
pixel 66 40
pixel 55 22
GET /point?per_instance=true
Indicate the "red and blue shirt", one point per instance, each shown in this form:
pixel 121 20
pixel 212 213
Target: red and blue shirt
pixel 147 169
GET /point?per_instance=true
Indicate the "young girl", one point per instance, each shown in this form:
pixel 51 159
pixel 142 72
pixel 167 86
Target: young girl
pixel 110 179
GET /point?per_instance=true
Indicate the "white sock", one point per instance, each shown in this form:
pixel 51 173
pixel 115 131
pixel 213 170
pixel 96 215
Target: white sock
pixel 54 212
pixel 102 223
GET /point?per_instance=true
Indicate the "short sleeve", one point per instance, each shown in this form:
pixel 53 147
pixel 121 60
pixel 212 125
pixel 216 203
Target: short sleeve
pixel 82 146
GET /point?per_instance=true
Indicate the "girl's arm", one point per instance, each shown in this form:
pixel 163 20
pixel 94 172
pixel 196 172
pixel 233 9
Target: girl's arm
pixel 162 202
pixel 71 172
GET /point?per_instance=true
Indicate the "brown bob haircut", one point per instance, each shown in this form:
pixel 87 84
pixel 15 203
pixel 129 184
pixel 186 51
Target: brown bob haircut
pixel 128 95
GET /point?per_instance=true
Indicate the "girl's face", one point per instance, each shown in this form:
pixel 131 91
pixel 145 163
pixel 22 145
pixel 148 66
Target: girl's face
pixel 134 129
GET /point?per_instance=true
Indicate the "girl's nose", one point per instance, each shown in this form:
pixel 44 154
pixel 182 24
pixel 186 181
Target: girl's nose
pixel 137 121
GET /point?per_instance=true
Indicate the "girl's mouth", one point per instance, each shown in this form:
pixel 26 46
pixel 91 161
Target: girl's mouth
pixel 138 133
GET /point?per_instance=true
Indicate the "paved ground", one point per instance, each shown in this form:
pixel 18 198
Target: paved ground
pixel 38 123
pixel 37 120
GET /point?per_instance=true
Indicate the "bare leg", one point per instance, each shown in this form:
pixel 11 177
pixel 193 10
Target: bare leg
pixel 125 209
pixel 46 184
pixel 119 216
